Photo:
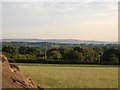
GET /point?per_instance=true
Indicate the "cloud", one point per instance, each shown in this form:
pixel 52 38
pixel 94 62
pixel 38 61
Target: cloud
pixel 0 20
pixel 43 13
pixel 48 19
pixel 60 1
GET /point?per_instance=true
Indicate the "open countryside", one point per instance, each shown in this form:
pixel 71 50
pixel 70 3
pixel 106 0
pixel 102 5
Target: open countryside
pixel 71 76
pixel 60 44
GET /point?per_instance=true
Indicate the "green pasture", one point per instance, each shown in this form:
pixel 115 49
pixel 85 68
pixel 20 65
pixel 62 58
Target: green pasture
pixel 71 75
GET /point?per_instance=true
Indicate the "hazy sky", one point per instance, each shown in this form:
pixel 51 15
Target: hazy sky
pixel 61 20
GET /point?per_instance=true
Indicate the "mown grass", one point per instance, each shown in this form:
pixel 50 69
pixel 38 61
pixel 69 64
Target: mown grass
pixel 71 76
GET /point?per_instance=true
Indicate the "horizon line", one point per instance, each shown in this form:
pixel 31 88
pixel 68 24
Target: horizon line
pixel 57 39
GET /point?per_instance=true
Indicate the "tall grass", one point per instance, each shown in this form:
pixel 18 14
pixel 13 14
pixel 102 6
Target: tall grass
pixel 53 76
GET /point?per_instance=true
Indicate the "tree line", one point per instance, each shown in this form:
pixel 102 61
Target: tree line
pixel 76 53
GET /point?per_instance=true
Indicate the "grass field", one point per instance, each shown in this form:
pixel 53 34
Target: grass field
pixel 71 76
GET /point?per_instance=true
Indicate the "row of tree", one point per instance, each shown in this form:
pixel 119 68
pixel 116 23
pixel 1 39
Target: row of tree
pixel 87 54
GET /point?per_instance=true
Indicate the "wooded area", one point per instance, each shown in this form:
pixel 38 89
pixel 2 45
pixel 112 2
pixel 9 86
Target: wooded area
pixel 74 54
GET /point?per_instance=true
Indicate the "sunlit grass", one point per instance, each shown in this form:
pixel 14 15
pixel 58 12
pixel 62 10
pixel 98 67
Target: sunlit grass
pixel 61 76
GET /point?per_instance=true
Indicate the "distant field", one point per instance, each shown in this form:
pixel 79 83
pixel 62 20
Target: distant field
pixel 72 76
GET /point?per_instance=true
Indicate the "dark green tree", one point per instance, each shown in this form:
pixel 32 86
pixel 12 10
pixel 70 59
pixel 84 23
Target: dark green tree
pixel 10 49
pixel 111 55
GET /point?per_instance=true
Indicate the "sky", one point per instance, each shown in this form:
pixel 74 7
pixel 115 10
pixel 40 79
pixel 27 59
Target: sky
pixel 88 20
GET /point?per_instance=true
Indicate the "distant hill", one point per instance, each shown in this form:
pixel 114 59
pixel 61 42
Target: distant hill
pixel 67 41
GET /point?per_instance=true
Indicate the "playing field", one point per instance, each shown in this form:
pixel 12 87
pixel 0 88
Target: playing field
pixel 72 76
